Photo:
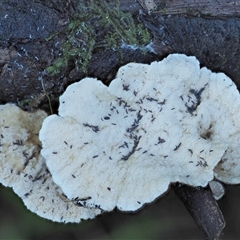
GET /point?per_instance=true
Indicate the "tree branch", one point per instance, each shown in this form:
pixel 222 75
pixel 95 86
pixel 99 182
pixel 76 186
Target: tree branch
pixel 203 208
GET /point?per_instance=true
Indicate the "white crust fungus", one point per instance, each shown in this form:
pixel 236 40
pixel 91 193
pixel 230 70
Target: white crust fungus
pixel 122 145
pixel 24 169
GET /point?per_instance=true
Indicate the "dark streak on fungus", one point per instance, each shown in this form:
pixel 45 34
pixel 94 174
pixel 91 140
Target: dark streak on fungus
pixel 64 195
pixel 124 145
pixel 125 87
pixel 38 178
pixel 81 202
pixel 18 142
pixel 190 150
pixel 28 158
pixel 44 180
pixel 25 154
pixel 42 197
pixel 163 102
pixel 28 193
pixel 120 101
pixel 202 163
pixel 140 101
pixel 161 140
pixel 136 141
pixel 177 147
pixel 94 128
pixel 192 105
pixel 152 99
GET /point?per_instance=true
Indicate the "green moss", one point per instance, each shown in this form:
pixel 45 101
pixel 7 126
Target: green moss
pixel 82 33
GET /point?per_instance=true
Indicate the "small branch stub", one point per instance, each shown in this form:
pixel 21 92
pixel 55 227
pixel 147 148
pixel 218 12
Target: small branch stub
pixel 203 208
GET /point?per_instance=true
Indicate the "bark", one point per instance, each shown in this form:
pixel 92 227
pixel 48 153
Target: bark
pixel 211 8
pixel 25 52
pixel 203 208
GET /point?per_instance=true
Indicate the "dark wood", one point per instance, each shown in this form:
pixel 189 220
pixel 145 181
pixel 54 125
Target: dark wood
pixel 203 208
pixel 213 8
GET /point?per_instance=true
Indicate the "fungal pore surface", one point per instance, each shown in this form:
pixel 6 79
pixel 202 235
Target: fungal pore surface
pixel 121 146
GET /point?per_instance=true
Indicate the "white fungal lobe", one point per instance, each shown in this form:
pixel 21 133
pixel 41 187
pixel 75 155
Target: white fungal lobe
pixel 19 143
pixel 24 169
pixel 155 124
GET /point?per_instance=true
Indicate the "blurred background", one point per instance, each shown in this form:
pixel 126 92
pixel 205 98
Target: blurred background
pixel 166 218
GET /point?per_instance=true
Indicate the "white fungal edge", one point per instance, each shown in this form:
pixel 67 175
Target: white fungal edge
pixel 122 146
pixel 24 169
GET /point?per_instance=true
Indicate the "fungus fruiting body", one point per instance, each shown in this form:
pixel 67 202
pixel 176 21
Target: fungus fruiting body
pixel 121 146
pixel 24 169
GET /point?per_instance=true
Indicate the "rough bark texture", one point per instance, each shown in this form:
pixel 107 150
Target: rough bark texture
pixel 215 42
pixel 210 8
pixel 207 29
pixel 25 52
